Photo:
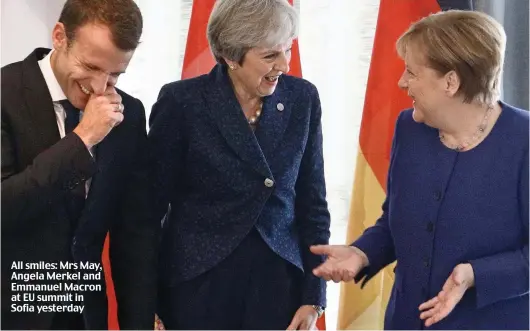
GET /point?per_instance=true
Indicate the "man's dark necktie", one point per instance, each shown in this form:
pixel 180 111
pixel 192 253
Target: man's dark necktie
pixel 72 116
pixel 76 198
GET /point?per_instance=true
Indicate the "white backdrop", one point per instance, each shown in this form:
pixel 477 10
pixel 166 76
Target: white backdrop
pixel 336 38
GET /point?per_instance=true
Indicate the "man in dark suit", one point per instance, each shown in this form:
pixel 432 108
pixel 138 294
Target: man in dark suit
pixel 70 176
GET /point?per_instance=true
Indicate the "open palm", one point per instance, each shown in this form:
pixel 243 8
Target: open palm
pixel 452 292
pixel 343 262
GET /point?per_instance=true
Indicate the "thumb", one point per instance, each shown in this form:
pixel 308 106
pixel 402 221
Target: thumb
pixel 321 249
pixel 110 90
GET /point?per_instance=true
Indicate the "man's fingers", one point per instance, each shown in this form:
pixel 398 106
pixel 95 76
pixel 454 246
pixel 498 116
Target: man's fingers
pixel 118 107
pixel 115 119
pixel 110 90
pixel 113 98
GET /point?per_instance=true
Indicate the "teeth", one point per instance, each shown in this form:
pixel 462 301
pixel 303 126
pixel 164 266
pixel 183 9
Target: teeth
pixel 272 79
pixel 84 89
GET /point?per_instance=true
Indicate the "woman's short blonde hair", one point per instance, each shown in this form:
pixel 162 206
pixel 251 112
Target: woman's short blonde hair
pixel 235 26
pixel 469 42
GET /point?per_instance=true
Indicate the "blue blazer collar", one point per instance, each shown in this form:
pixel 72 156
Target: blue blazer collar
pixel 254 147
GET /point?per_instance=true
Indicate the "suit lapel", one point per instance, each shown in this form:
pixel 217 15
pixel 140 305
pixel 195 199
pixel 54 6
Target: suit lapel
pixel 46 133
pixel 39 103
pixel 225 110
pixel 274 119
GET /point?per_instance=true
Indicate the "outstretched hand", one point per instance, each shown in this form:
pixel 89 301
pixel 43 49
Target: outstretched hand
pixel 436 309
pixel 343 262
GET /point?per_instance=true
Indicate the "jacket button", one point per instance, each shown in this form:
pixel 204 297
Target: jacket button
pixel 268 182
pixel 438 195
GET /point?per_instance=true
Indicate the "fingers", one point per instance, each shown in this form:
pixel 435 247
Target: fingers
pixel 113 98
pixel 337 277
pixel 336 271
pixel 304 319
pixel 348 275
pixel 110 95
pixel 323 271
pixel 307 325
pixel 431 321
pixel 329 272
pixel 110 90
pixel 321 249
pixel 115 119
pixel 429 304
pixel 429 313
pixel 437 314
pixel 440 306
pixel 118 107
pixel 295 323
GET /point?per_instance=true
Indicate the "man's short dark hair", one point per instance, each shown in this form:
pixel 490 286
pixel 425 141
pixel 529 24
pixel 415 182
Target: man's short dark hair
pixel 122 17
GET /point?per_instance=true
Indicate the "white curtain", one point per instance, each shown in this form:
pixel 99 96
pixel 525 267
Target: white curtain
pixel 336 39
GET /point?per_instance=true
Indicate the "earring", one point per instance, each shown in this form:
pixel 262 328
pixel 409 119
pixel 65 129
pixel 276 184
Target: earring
pixel 232 67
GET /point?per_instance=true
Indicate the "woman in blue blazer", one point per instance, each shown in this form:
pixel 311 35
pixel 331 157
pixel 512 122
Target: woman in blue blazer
pixel 456 213
pixel 237 154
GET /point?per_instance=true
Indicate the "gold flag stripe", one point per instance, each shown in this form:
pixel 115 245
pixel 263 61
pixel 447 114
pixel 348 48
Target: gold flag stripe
pixel 364 309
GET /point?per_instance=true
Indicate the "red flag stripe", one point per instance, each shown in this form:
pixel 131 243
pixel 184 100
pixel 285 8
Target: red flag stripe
pixel 384 100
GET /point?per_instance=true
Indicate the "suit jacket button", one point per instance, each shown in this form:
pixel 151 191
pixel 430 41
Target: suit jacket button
pixel 280 106
pixel 268 182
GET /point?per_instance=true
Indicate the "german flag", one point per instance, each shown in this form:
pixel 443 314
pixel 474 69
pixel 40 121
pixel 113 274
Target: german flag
pixel 365 309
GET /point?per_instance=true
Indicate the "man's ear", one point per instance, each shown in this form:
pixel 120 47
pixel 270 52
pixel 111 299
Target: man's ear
pixel 59 38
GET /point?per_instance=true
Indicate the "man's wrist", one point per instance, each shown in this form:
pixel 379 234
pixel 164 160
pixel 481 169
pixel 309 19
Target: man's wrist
pixel 84 136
